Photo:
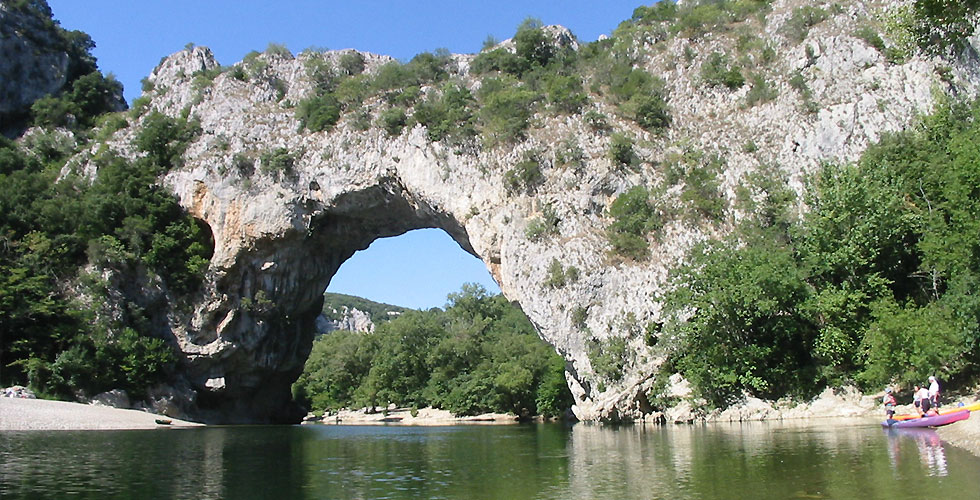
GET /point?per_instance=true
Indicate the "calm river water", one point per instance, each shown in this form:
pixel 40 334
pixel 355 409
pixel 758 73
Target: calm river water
pixel 546 461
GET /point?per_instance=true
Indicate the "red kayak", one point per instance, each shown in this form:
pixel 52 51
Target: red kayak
pixel 934 421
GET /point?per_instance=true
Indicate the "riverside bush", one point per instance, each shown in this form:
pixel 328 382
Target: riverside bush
pixel 871 285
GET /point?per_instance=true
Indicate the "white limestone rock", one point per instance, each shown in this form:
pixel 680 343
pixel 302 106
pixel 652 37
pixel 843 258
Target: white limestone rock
pixel 349 187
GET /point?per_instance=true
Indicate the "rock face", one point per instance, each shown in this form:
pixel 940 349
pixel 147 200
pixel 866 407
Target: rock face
pixel 34 63
pixel 349 318
pixel 281 236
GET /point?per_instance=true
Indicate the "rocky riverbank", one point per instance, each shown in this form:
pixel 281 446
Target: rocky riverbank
pixel 965 434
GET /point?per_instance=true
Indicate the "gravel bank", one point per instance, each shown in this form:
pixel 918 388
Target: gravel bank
pixel 964 434
pixel 38 414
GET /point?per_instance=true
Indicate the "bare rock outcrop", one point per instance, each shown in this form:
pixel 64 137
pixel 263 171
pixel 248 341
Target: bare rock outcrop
pixel 281 235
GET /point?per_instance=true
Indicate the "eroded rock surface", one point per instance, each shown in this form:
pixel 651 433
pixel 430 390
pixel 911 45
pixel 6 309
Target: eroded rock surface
pixel 281 235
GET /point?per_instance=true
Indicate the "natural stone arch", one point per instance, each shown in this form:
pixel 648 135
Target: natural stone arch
pixel 273 294
pixel 249 329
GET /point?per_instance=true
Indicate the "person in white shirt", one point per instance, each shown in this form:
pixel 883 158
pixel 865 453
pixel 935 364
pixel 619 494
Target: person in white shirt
pixel 933 392
pixel 924 397
pixel 917 398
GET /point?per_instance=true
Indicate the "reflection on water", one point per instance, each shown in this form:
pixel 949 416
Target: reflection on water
pixel 927 444
pixel 827 459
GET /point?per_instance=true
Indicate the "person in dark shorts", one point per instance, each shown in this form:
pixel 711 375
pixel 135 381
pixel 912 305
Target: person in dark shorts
pixel 924 396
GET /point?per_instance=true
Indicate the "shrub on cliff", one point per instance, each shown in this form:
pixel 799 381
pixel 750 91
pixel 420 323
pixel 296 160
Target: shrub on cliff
pixel 718 71
pixel 393 120
pixel 318 113
pixel 164 139
pixel 565 93
pixel 798 25
pixel 621 151
pixel 351 63
pixel 532 49
pixel 525 177
pixel 634 218
pixel 89 97
pixel 449 114
pixel 639 95
pixel 506 107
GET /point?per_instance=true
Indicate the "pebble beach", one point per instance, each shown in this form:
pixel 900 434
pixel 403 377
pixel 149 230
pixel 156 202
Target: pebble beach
pixel 18 414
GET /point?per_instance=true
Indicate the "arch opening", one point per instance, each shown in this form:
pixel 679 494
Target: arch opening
pixel 272 296
pixel 416 270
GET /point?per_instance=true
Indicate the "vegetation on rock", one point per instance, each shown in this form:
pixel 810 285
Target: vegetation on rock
pixel 873 285
pixel 85 262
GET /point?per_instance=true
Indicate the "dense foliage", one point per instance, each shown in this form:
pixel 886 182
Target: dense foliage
pixel 538 73
pixel 634 217
pixel 942 24
pixel 480 354
pixel 66 240
pixel 873 285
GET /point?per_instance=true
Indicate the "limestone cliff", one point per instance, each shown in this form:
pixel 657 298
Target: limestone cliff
pixel 350 319
pixel 282 234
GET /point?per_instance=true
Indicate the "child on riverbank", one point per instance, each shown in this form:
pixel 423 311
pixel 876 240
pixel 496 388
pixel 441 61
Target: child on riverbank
pixel 889 402
pixel 917 399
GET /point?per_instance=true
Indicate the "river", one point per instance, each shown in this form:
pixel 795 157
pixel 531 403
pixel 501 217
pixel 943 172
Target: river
pixel 813 460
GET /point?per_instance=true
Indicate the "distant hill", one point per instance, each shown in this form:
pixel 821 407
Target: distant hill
pixel 336 305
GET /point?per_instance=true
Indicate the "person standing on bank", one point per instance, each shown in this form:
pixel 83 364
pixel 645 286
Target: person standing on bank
pixel 933 392
pixel 889 402
pixel 925 404
pixel 917 399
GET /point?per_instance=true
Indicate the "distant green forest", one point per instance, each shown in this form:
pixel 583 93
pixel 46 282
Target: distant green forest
pixel 378 311
pixel 479 355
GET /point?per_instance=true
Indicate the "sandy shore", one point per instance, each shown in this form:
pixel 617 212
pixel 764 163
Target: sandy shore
pixel 38 414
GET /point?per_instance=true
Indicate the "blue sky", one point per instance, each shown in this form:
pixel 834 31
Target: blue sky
pixel 417 269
